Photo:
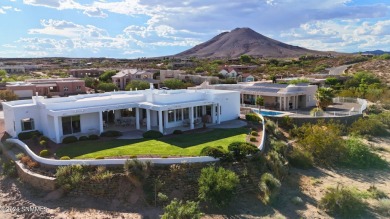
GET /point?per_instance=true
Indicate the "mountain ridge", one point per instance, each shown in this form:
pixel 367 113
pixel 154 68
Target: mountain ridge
pixel 242 41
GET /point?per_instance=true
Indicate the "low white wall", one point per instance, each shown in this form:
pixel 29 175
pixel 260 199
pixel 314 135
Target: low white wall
pixel 52 162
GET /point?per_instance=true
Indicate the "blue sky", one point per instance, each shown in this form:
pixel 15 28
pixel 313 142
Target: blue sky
pixel 149 28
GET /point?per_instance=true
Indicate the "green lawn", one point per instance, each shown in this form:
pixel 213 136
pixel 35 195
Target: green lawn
pixel 189 144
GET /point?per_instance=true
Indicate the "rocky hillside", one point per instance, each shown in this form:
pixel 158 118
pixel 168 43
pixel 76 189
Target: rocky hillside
pixel 245 41
pixel 381 68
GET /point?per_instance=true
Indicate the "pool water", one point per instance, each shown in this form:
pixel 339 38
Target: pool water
pixel 268 113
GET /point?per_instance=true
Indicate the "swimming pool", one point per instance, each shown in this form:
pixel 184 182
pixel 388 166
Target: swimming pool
pixel 267 113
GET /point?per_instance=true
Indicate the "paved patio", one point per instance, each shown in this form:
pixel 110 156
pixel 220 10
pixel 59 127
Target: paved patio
pixel 132 133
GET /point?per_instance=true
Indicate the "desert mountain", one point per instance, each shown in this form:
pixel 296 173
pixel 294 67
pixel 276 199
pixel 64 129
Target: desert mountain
pixel 245 41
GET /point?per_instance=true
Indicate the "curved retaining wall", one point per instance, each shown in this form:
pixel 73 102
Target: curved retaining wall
pixel 261 146
pixel 52 162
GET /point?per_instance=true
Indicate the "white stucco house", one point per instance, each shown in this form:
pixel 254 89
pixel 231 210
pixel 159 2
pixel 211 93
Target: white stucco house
pixel 146 110
pixel 276 96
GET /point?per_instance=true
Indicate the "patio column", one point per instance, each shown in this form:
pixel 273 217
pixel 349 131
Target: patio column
pixel 242 98
pixel 191 111
pixel 101 129
pixel 219 114
pixel 296 102
pixel 137 126
pixel 280 103
pixel 203 111
pixel 147 119
pixel 160 122
pixel 57 129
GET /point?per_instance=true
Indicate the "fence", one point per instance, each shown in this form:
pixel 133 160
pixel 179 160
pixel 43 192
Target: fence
pixel 361 102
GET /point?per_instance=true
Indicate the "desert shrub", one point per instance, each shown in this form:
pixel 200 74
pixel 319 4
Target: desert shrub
pixel 83 138
pixel 111 133
pixel 65 158
pixel 20 155
pixel 137 171
pixel 286 122
pixel 162 198
pixel 9 168
pixel 69 139
pixel 254 133
pixel 370 126
pixel 70 176
pixel 297 200
pixel 342 201
pixel 133 156
pixel 277 164
pixel 152 134
pixel 99 157
pixel 93 137
pixel 374 109
pixel 217 186
pixel 25 159
pixel 358 155
pixel 323 141
pixel 279 146
pixel 43 138
pixel 177 132
pixel 252 139
pixel 252 117
pixel 317 112
pixel 384 117
pixel 32 164
pixel 28 135
pixel 384 207
pixel 44 153
pixel 179 209
pixel 376 193
pixel 254 129
pixel 300 159
pixel 269 187
pixel 216 152
pixel 101 174
pixel 43 143
pixel 241 149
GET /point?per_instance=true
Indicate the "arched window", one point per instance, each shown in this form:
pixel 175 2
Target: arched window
pixel 28 124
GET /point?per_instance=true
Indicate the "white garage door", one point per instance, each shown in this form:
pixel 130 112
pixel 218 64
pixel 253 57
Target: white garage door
pixel 23 93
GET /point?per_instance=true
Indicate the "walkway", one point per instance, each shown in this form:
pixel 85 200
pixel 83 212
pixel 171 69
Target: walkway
pixel 132 133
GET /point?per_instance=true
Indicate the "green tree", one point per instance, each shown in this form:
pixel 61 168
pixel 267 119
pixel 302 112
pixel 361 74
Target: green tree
pixel 140 85
pixel 260 101
pixel 3 74
pixel 324 97
pixel 106 76
pixel 7 95
pixel 216 186
pixel 178 209
pixel 174 84
pixel 107 87
pixel 245 58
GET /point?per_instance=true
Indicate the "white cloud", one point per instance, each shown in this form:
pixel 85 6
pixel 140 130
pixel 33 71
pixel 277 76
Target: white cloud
pixel 17 10
pixel 95 12
pixel 344 35
pixel 2 11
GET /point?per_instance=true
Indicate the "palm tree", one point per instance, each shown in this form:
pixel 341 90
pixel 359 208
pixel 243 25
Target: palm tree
pixel 324 97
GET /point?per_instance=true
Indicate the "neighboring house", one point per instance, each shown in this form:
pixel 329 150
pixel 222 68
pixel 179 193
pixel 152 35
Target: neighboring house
pixel 181 75
pixel 47 87
pixel 82 73
pixel 122 78
pixel 228 73
pixel 148 109
pixel 276 96
pixel 245 78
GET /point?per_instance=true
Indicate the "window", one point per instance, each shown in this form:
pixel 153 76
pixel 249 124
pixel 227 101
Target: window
pixel 171 116
pixel 70 125
pixel 199 110
pixel 78 88
pixel 178 114
pixel 28 124
pixel 66 88
pixel 185 113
